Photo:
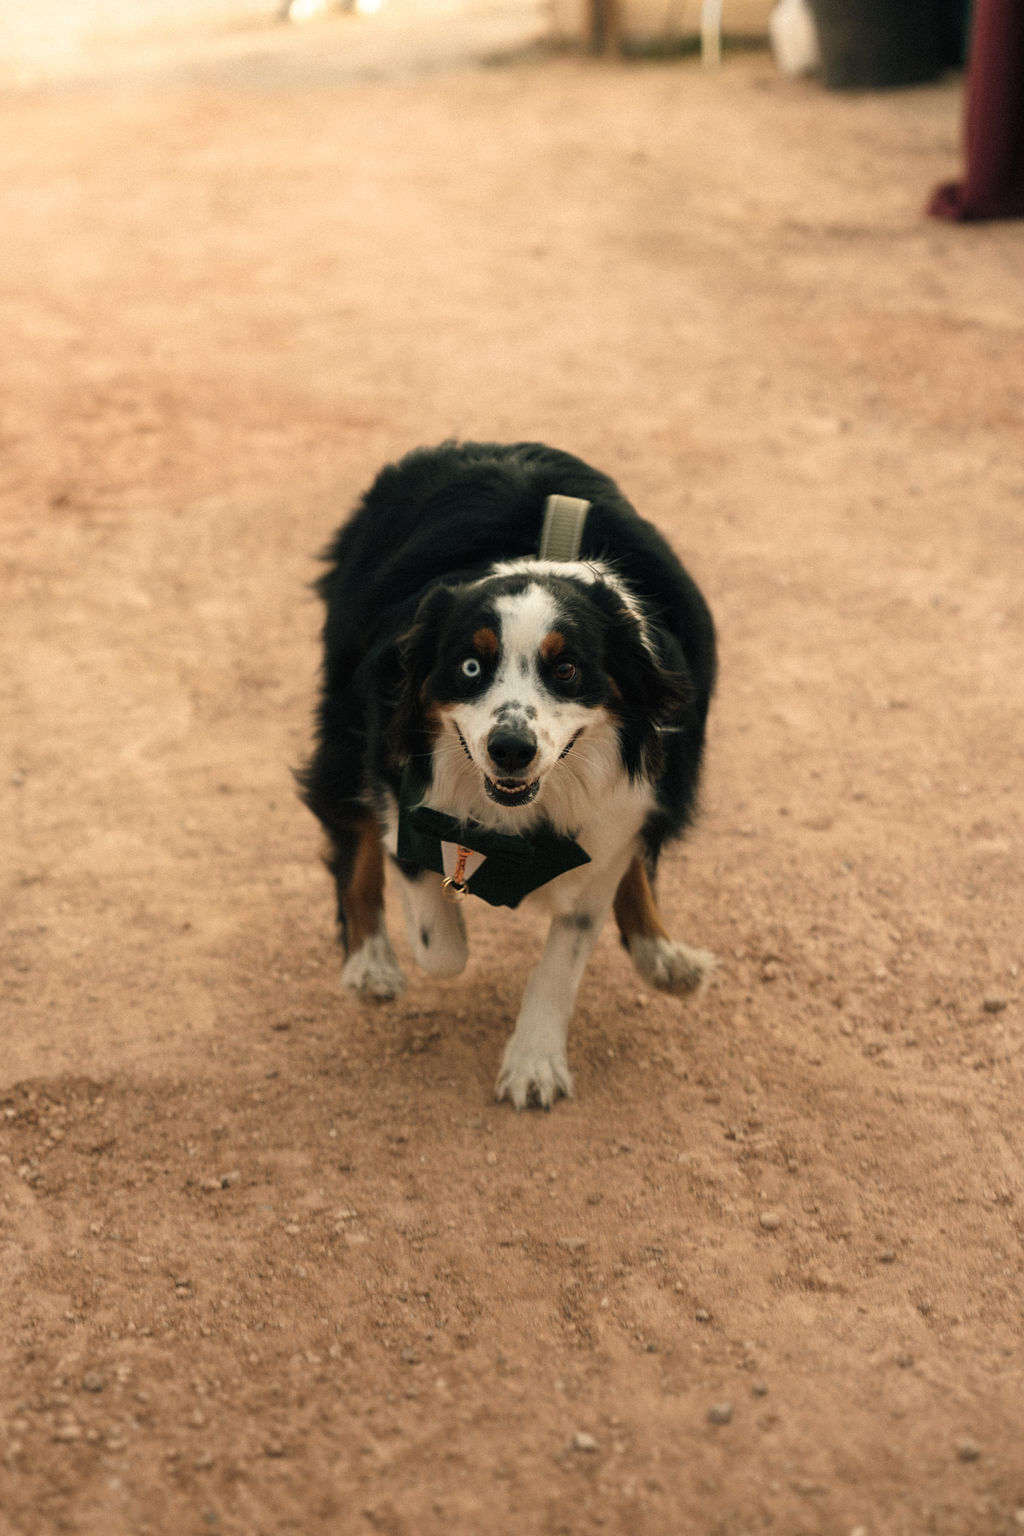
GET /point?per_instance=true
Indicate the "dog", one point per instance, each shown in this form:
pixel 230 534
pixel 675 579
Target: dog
pixel 509 720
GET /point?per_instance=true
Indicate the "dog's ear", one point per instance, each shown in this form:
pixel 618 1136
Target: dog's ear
pixel 654 693
pixel 417 656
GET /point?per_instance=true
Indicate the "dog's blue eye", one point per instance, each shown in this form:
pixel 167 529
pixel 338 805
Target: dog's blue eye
pixel 471 668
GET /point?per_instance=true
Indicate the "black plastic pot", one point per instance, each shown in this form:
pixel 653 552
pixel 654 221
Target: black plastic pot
pixel 869 44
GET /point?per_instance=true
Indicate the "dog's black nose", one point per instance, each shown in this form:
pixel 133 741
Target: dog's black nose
pixel 511 751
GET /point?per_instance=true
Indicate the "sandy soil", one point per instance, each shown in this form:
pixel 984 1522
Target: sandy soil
pixel 275 1264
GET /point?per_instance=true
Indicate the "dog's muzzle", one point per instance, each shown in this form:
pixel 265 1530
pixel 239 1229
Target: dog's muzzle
pixel 512 750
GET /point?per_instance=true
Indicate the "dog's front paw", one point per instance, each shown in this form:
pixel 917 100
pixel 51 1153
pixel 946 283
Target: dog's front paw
pixel 532 1077
pixel 372 972
pixel 439 945
pixel 670 966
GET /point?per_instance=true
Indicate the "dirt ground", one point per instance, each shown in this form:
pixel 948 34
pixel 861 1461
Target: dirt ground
pixel 273 1263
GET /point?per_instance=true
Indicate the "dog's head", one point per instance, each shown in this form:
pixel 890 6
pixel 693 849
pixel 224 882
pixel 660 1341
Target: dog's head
pixel 526 692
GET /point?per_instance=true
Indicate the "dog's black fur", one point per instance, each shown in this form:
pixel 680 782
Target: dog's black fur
pixel 445 515
pixel 410 588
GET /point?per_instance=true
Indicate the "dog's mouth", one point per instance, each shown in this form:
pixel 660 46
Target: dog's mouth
pixel 511 792
pixel 514 793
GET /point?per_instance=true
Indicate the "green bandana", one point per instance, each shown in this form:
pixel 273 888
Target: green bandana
pixel 511 866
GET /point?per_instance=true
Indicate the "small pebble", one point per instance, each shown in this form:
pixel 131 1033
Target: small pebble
pixel 770 1220
pixel 221 1181
pixel 720 1413
pixel 993 1004
pixel 701 1316
pixel 92 1381
pixel 968 1449
pixel 581 1441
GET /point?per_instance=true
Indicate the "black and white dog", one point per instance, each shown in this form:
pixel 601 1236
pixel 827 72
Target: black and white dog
pixel 508 726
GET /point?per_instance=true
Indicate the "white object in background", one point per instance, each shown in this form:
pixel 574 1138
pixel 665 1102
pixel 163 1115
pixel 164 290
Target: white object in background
pixel 711 33
pixel 308 10
pixel 794 37
pixel 304 10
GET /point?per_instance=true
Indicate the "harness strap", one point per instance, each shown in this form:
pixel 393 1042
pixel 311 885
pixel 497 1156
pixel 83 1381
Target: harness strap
pixel 501 867
pixel 562 530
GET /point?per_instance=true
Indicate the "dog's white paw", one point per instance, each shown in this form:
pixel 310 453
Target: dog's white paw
pixel 439 943
pixel 670 966
pixel 372 972
pixel 435 926
pixel 532 1077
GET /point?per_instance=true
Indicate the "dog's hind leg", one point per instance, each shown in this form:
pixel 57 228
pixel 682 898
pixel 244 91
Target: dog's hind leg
pixel 661 961
pixel 356 860
pixel 437 932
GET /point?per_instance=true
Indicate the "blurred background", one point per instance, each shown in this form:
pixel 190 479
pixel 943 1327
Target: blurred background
pixel 40 38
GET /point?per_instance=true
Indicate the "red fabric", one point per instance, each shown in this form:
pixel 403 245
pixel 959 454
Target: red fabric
pixel 993 187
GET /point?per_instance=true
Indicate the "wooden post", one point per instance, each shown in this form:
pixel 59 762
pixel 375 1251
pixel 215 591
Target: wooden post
pixel 605 26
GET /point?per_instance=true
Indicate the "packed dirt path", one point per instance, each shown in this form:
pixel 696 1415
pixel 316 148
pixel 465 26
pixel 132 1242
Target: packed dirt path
pixel 273 1263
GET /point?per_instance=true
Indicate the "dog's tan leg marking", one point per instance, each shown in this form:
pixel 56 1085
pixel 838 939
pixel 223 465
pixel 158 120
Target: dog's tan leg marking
pixel 371 968
pixel 661 961
pixel 363 901
pixel 636 911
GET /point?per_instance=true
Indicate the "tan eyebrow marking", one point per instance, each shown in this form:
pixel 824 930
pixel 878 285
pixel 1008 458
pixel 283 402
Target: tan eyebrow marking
pixel 486 641
pixel 552 645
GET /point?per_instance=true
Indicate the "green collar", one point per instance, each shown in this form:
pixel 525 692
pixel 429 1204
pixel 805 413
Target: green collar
pixel 511 866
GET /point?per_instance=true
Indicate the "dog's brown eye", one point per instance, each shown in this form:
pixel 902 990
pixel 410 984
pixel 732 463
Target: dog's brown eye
pixel 565 671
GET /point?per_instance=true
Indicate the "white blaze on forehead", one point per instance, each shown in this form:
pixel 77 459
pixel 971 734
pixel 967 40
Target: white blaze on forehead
pixel 524 619
pixel 589 572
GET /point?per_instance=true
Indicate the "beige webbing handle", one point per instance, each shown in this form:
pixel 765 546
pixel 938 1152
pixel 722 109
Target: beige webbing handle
pixel 562 530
